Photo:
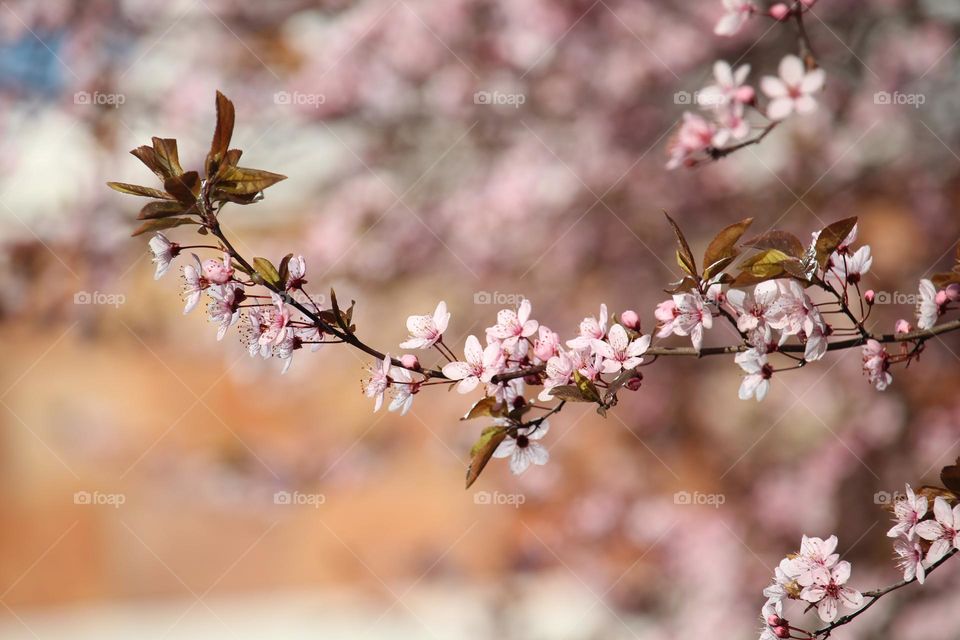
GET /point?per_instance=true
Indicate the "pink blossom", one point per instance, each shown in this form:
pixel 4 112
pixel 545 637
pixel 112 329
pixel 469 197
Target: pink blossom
pixel 223 308
pixel 695 135
pixel 848 269
pixel 757 381
pixel 194 283
pixel 296 270
pixel 591 329
pixel 402 389
pixel 830 590
pixel 425 331
pixel 480 366
pixel 163 252
pixel 727 85
pixel 928 310
pixel 685 315
pixel 619 352
pixel 513 325
pixel 376 385
pixel 276 321
pixel 944 532
pixel 546 345
pixel 559 370
pixel 218 271
pixel 910 559
pixel 523 449
pixel 908 510
pixel 630 319
pixel 754 310
pixel 902 326
pixel 816 558
pixel 737 12
pixel 876 362
pixel 791 92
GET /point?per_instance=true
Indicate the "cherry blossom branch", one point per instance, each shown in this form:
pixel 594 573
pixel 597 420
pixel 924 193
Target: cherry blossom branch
pixel 875 596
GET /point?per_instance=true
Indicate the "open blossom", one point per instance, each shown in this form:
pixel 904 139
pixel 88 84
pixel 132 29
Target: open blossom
pixel 218 271
pixel 425 331
pixel 403 389
pixel 193 283
pixel 729 87
pixel 684 315
pixel 376 385
pixel 908 511
pixel 223 307
pixel 876 362
pixel 910 559
pixel 591 329
pixel 791 91
pixel 559 370
pixel 480 366
pixel 284 350
pixel 816 558
pixel 849 268
pixel 784 583
pixel 524 450
pixel 737 12
pixel 276 321
pixel 944 532
pixel 755 309
pixel 757 381
pixel 928 310
pixel 829 590
pixel 513 325
pixel 163 252
pixel 619 352
pixel 695 135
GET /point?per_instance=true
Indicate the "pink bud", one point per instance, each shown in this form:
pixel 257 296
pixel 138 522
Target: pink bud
pixel 869 296
pixel 903 326
pixel 630 319
pixel 779 11
pixel 953 292
pixel 634 383
pixel 774 620
pixel 781 632
pixel 216 271
pixel 941 298
pixel 410 361
pixel 808 3
pixel 666 311
pixel 745 94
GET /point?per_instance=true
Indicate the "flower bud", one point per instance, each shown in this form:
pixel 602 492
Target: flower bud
pixel 779 11
pixel 216 271
pixel 941 298
pixel 634 383
pixel 410 361
pixel 630 319
pixel 745 94
pixel 953 292
pixel 774 620
pixel 808 3
pixel 902 326
pixel 869 296
pixel 781 632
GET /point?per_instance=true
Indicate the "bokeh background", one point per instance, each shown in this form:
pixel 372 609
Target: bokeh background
pixel 404 189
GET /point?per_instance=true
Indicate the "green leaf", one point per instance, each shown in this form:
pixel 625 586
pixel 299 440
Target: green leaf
pixel 267 272
pixel 762 266
pixel 241 181
pixel 722 249
pixel 831 237
pixel 587 389
pixel 684 255
pixel 162 223
pixel 160 209
pixel 137 190
pixel 482 451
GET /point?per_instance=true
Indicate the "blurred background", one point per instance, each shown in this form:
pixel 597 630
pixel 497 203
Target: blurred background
pixel 474 151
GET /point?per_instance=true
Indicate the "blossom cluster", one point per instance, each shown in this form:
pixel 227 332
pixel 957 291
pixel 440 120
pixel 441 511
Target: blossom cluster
pixel 919 540
pixel 729 100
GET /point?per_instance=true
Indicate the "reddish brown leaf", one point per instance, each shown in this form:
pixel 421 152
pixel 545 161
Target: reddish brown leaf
pixel 831 237
pixel 722 249
pixel 684 255
pixel 137 190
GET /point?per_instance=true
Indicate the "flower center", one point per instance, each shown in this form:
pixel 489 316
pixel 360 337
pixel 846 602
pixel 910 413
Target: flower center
pixel 523 442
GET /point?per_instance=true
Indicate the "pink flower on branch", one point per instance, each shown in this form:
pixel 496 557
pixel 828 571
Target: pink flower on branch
pixel 426 330
pixel 480 365
pixel 792 91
